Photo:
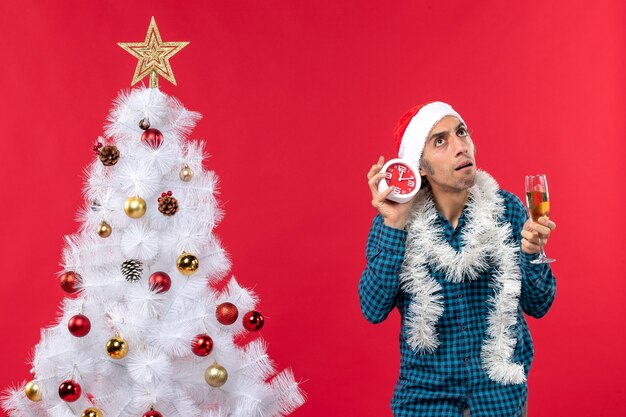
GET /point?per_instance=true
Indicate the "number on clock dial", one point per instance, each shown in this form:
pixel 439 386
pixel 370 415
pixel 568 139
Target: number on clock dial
pixel 400 178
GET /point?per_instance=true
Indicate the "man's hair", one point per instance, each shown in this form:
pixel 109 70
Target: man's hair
pixel 429 170
pixel 403 123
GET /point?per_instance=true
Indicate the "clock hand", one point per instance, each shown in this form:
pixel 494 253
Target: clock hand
pixel 400 177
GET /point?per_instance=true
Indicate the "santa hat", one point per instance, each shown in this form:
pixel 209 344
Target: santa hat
pixel 414 126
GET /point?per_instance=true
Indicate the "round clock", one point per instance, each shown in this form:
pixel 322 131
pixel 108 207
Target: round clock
pixel 403 177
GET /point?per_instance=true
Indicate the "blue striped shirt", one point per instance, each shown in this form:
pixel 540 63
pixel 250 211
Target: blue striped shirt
pixel 447 381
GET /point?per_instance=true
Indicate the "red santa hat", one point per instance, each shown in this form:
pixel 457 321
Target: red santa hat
pixel 414 126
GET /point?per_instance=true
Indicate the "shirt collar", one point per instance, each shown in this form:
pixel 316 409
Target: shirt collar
pixel 446 224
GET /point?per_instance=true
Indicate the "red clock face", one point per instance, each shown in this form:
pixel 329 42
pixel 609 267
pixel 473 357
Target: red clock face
pixel 401 178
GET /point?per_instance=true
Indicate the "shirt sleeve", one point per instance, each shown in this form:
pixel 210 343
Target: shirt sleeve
pixel 380 282
pixel 538 282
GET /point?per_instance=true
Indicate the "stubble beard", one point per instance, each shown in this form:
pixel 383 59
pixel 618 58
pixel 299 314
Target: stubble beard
pixel 468 182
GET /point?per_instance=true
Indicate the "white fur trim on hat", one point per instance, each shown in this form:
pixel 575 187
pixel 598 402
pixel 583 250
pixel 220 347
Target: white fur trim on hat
pixel 416 133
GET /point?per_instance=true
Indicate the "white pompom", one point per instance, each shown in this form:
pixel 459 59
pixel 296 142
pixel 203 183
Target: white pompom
pixel 139 242
pixel 147 365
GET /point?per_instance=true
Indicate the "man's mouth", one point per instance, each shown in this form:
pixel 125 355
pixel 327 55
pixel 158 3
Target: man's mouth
pixel 463 165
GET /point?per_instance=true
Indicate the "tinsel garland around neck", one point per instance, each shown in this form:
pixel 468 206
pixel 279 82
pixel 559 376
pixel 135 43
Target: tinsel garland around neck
pixel 485 236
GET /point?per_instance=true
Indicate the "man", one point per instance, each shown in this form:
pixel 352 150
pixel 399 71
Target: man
pixel 455 261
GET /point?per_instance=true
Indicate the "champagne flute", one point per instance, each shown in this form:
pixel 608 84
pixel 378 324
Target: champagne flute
pixel 538 203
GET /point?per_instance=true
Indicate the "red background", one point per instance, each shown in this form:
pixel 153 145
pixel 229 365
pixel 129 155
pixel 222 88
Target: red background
pixel 299 99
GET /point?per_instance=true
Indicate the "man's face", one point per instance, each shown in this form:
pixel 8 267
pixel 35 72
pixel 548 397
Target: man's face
pixel 448 160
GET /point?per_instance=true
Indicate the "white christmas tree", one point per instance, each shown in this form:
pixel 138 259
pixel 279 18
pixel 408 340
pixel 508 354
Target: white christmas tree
pixel 145 332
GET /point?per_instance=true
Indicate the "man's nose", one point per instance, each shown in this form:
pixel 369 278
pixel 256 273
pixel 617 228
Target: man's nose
pixel 461 146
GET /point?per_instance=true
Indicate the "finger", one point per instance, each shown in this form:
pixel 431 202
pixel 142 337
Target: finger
pixel 383 196
pixel 375 168
pixel 530 247
pixel 531 236
pixel 381 199
pixel 545 220
pixel 543 231
pixel 373 183
pixel 381 161
pixel 376 179
pixel 528 226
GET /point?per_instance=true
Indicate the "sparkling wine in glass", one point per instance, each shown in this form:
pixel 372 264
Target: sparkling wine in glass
pixel 538 202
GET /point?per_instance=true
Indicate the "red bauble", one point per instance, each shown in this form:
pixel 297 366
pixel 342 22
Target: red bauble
pixel 152 137
pixel 227 313
pixel 69 281
pixel 79 325
pixel 69 391
pixel 202 345
pixel 152 413
pixel 159 282
pixel 253 321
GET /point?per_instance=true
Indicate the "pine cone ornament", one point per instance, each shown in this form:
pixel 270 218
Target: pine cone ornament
pixel 132 270
pixel 109 155
pixel 168 205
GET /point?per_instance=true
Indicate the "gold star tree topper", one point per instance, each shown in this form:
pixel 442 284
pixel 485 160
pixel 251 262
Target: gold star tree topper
pixel 153 55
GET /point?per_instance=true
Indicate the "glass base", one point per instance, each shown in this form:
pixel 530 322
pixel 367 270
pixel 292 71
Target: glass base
pixel 542 260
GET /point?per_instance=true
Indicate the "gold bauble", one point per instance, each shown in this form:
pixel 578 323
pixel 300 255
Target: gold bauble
pixel 104 229
pixel 135 207
pixel 186 174
pixel 92 412
pixel 33 392
pixel 215 375
pixel 187 263
pixel 117 347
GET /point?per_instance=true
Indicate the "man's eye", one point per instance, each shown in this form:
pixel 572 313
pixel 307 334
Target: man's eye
pixel 439 141
pixel 462 132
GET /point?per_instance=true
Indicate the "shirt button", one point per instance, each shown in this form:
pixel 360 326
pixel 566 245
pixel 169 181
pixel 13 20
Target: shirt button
pixel 468 395
pixel 466 359
pixel 463 327
pixel 459 295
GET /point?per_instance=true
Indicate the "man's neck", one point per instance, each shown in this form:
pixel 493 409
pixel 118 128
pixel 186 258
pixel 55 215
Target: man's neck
pixel 450 203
